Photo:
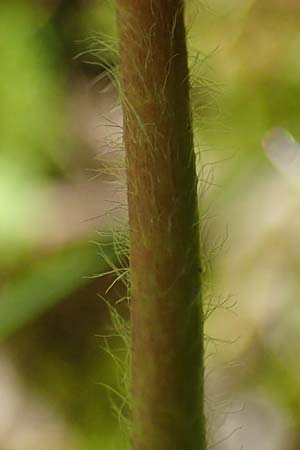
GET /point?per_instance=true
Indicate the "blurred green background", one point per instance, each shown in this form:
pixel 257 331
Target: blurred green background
pixel 59 132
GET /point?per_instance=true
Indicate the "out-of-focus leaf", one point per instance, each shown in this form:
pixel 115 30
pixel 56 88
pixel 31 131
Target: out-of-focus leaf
pixel 46 283
pixel 31 93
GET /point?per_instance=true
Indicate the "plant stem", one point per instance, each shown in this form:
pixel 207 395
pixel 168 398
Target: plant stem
pixel 166 310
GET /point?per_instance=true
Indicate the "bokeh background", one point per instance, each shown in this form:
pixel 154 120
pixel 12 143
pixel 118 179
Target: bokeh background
pixel 60 206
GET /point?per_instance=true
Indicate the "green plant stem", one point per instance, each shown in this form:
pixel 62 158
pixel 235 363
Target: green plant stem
pixel 166 313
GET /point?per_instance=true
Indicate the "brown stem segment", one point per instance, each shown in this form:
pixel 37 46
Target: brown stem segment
pixel 166 311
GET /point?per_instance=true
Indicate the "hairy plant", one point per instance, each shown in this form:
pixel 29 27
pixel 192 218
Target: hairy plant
pixel 166 376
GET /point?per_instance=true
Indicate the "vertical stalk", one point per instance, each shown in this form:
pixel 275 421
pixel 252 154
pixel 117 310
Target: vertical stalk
pixel 166 312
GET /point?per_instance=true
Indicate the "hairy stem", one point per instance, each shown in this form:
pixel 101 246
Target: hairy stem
pixel 166 311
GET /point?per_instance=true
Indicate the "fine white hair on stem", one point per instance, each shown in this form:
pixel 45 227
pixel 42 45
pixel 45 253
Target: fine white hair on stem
pixel 101 50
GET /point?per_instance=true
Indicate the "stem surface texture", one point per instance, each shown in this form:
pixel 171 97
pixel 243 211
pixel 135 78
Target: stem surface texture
pixel 166 312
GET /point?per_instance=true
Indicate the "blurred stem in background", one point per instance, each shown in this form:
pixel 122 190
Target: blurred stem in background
pixel 166 316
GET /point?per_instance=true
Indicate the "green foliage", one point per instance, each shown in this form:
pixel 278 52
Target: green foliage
pixel 31 119
pixel 37 288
